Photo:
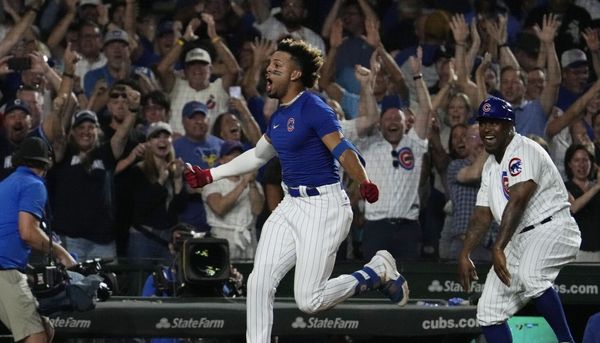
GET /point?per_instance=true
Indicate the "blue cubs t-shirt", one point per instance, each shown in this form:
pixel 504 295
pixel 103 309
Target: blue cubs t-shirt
pixel 295 132
pixel 22 191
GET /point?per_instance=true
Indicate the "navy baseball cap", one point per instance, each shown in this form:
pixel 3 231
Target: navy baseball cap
pixel 164 28
pixel 230 146
pixel 191 108
pixel 17 104
pixel 85 115
pixel 392 101
pixel 496 109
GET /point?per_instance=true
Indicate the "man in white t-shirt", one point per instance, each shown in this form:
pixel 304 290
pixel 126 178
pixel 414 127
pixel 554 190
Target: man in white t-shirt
pixel 194 84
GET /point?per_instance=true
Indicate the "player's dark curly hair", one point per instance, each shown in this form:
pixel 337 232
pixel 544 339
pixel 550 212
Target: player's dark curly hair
pixel 308 58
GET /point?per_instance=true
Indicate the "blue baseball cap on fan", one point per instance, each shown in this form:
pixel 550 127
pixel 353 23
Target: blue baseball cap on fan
pixel 191 108
pixel 230 146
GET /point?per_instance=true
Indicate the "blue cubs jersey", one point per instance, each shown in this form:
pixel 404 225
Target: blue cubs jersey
pixel 295 132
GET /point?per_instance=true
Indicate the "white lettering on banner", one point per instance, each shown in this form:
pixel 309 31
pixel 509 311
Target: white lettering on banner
pixel 190 323
pixel 70 323
pixel 325 323
pixel 442 323
pixel 452 286
pixel 577 289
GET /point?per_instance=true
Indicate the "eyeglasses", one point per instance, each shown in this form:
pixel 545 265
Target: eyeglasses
pixel 118 95
pixel 395 162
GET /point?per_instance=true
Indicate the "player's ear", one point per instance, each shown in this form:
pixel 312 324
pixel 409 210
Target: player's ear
pixel 295 75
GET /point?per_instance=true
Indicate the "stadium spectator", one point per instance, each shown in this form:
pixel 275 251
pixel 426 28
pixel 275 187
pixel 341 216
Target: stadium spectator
pixel 195 84
pixel 232 205
pixel 583 185
pixel 157 195
pixel 197 147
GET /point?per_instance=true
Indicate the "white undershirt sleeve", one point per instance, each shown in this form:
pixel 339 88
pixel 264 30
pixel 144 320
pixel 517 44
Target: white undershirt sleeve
pixel 249 161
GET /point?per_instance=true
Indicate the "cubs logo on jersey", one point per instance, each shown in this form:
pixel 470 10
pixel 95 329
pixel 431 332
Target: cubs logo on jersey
pixel 515 166
pixel 291 124
pixel 406 158
pixel 505 185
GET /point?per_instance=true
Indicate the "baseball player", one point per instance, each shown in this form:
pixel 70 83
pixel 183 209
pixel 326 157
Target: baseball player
pixel 523 191
pixel 307 227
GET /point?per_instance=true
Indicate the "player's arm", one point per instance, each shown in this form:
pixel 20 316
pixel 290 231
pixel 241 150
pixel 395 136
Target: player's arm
pixel 348 155
pixel 479 224
pixel 520 194
pixel 249 161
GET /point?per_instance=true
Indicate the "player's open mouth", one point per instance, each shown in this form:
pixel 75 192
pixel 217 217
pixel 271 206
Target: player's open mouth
pixel 269 84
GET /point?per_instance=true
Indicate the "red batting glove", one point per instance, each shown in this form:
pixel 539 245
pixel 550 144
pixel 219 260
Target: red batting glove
pixel 197 177
pixel 369 191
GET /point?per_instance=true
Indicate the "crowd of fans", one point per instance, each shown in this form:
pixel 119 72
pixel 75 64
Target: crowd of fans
pixel 126 92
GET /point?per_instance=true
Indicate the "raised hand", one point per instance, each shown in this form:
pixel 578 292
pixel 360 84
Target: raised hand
pixel 210 23
pixel 549 27
pixel 336 35
pixel 189 34
pixel 363 75
pixel 262 48
pixel 592 39
pixel 416 62
pixel 372 30
pixel 460 29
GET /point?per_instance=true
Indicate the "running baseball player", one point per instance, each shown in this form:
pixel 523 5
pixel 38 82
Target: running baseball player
pixel 523 191
pixel 307 227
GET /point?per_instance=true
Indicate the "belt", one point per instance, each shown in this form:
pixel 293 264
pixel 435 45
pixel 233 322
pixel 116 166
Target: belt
pixel 531 227
pixel 310 191
pixel 399 221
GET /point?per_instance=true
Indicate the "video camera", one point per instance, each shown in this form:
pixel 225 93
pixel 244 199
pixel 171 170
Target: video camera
pixel 202 267
pixel 76 289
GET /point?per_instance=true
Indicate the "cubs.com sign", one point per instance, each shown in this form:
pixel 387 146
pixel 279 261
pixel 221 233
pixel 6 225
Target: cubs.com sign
pixel 325 323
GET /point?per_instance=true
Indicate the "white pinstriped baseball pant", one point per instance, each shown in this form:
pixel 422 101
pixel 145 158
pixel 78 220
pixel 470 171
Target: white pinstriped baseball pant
pixel 534 259
pixel 305 232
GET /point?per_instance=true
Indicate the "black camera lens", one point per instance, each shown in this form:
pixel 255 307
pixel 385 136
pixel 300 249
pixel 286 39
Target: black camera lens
pixel 207 261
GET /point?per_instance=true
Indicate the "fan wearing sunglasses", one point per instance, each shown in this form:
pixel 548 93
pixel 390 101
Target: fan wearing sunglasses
pixel 394 156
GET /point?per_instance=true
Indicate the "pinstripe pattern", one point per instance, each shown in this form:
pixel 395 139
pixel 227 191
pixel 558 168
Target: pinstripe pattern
pixel 535 257
pixel 549 197
pixel 305 232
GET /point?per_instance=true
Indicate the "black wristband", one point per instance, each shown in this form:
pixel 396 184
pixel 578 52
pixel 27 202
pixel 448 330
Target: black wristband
pixel 505 45
pixel 418 76
pixel 68 75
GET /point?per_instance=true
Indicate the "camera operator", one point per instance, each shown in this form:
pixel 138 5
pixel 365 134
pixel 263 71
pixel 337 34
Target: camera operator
pixel 23 198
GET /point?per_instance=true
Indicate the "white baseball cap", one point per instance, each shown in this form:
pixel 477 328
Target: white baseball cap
pixel 573 58
pixel 199 55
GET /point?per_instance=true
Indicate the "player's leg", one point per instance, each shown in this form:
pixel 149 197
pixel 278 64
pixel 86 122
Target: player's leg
pixel 275 256
pixel 329 218
pixel 548 249
pixel 499 302
pixel 322 223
